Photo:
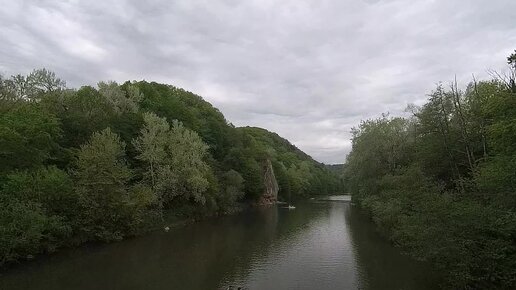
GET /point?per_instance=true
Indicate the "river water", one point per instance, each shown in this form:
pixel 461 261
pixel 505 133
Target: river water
pixel 322 244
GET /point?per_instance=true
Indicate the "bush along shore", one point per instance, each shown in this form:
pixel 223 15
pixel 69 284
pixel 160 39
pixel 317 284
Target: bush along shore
pixel 441 183
pixel 103 163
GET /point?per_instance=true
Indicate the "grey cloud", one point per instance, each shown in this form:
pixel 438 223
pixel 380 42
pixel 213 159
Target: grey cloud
pixel 308 70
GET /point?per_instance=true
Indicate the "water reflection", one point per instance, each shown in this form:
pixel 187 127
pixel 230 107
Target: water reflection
pixel 319 245
pixel 380 265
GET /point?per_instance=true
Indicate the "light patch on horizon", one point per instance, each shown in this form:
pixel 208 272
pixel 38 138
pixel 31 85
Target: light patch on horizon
pixel 307 70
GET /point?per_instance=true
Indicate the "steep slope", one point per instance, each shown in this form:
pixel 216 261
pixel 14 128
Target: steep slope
pixel 244 150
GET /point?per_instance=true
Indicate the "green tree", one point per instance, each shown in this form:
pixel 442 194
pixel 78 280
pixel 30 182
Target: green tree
pixel 26 230
pixel 152 143
pixel 50 187
pixel 102 176
pixel 118 99
pixel 81 113
pixel 175 158
pixel 34 85
pixel 28 137
pixel 511 60
pixel 233 189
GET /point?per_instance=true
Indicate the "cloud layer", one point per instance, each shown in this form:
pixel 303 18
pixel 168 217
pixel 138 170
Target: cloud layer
pixel 308 70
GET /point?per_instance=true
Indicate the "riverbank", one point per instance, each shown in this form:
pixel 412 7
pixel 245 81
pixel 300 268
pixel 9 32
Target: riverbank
pixel 440 183
pixel 172 219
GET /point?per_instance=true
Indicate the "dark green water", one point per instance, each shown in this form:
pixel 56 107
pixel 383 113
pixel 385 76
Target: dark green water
pixel 319 245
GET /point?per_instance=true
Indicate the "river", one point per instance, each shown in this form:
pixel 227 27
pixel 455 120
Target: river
pixel 322 244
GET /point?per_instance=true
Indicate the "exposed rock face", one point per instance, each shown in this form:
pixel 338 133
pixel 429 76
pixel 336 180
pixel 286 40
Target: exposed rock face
pixel 270 195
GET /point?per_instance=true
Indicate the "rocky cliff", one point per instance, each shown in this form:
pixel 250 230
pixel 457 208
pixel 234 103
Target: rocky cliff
pixel 270 194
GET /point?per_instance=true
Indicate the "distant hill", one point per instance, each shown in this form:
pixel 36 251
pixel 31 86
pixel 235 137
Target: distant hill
pixel 243 149
pixel 337 168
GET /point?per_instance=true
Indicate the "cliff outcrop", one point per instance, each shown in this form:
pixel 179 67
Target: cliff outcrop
pixel 270 194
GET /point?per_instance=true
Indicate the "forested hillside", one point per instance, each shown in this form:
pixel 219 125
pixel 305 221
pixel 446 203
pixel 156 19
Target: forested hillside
pixel 102 163
pixel 297 173
pixel 441 183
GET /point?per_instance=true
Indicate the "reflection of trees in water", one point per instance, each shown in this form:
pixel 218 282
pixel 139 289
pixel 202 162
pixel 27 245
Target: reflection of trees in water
pixel 221 251
pixel 380 265
pixel 217 247
pixel 197 256
pixel 270 230
pixel 270 263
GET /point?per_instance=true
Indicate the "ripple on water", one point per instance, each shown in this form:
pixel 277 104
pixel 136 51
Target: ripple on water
pixel 319 245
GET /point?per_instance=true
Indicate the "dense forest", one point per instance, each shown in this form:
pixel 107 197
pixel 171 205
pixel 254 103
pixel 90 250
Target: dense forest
pixel 99 164
pixel 441 183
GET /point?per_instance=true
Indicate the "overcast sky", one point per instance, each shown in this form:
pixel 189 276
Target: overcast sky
pixel 308 70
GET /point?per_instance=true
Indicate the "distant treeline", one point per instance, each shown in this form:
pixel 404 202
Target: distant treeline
pixel 442 183
pixel 99 164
